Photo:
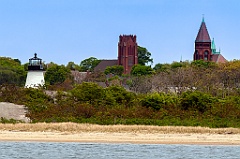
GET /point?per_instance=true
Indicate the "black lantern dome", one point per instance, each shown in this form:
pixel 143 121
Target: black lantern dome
pixel 35 63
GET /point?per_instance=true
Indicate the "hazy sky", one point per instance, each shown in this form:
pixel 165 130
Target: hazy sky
pixel 73 30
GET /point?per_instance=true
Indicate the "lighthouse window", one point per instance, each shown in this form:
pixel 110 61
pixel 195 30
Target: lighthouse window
pixel 35 62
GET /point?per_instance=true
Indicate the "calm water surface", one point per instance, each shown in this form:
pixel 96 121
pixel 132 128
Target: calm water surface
pixel 52 150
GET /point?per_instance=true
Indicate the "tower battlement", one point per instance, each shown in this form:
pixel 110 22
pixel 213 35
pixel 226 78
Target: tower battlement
pixel 126 38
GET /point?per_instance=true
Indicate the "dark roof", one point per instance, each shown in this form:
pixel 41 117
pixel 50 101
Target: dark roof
pixel 203 35
pixel 104 63
pixel 218 58
pixel 35 57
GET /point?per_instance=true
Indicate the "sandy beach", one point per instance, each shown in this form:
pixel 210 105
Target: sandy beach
pixel 72 132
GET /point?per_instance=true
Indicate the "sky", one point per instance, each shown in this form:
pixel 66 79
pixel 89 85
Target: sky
pixel 61 31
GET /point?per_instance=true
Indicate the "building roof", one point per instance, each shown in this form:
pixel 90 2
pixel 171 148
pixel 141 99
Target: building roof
pixel 218 58
pixel 203 35
pixel 104 63
pixel 35 57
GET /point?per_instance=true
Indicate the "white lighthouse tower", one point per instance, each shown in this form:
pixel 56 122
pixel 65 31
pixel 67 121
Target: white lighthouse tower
pixel 35 76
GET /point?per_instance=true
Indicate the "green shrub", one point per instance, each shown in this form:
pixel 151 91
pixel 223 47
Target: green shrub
pixel 157 100
pixel 36 100
pixel 88 92
pixel 119 95
pixel 11 93
pixel 196 100
pixel 85 110
pixel 57 74
pixel 116 70
pixel 7 121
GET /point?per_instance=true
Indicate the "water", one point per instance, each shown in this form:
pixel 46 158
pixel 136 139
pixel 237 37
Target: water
pixel 51 150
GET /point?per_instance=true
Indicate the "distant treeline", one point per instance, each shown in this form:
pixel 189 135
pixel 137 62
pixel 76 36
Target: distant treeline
pixel 194 93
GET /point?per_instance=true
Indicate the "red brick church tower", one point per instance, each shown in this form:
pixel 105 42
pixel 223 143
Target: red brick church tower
pixel 203 49
pixel 127 52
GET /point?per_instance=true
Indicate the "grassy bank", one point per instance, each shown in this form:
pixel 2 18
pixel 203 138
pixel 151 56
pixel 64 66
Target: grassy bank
pixel 77 128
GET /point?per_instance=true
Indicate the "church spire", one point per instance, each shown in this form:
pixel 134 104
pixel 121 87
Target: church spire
pixel 213 46
pixel 203 50
pixel 203 35
pixel 203 19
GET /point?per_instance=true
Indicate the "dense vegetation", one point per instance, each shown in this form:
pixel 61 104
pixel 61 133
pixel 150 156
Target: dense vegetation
pixel 91 103
pixel 11 71
pixel 182 93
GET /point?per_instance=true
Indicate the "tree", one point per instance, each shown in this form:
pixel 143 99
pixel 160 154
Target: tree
pixel 196 100
pixel 57 74
pixel 11 71
pixel 140 84
pixel 203 64
pixel 144 56
pixel 175 65
pixel 89 64
pixel 72 66
pixel 139 70
pixel 88 92
pixel 18 61
pixel 161 67
pixel 116 70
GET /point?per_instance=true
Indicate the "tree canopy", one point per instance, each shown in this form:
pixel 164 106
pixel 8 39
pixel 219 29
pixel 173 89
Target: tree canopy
pixel 139 70
pixel 203 64
pixel 116 70
pixel 89 64
pixel 57 74
pixel 11 71
pixel 72 66
pixel 144 56
pixel 161 67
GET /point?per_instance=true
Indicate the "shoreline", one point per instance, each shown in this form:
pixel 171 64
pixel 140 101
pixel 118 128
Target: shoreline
pixel 128 134
pixel 120 138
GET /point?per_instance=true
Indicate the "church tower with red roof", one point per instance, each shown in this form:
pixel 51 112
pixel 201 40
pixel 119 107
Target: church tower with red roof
pixel 203 49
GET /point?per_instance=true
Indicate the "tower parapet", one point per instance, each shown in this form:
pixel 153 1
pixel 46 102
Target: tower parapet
pixel 125 38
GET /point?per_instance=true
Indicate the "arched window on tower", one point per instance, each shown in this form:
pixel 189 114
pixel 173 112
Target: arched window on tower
pixel 206 55
pixel 197 55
